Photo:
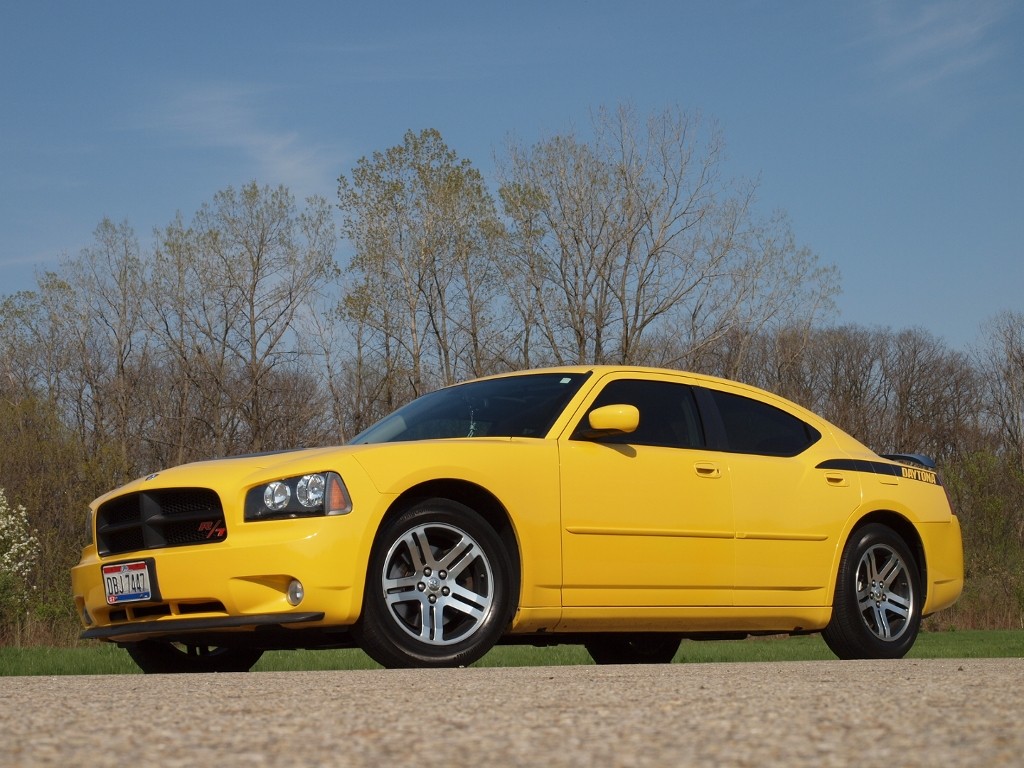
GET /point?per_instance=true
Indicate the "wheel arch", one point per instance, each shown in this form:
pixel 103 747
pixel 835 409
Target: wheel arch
pixel 477 498
pixel 903 528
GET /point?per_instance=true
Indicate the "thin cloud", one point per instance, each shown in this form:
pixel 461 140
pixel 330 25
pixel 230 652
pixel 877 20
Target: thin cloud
pixel 233 118
pixel 920 47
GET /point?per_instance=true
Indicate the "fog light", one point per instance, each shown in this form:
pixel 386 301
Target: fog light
pixel 86 618
pixel 295 592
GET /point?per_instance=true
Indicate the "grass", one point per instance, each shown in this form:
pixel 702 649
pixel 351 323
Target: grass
pixel 106 659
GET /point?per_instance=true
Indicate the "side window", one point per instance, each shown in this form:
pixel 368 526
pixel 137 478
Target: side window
pixel 755 427
pixel 668 413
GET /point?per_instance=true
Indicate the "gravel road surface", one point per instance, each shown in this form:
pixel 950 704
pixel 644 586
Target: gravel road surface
pixel 932 713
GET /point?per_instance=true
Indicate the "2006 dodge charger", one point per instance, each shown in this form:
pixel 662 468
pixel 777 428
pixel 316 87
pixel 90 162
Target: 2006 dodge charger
pixel 621 508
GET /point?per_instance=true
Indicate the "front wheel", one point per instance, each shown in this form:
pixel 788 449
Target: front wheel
pixel 638 648
pixel 876 613
pixel 438 590
pixel 159 657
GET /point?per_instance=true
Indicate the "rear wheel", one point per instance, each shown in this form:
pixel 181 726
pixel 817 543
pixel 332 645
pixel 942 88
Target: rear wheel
pixel 876 613
pixel 438 590
pixel 159 657
pixel 638 648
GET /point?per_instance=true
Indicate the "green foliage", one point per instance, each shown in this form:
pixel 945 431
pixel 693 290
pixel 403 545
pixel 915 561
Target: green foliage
pixel 988 492
pixel 50 473
pixel 19 551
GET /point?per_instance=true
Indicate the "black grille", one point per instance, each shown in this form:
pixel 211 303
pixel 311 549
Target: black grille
pixel 173 517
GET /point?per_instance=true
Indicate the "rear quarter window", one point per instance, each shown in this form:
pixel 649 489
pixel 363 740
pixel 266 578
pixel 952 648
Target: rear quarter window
pixel 755 427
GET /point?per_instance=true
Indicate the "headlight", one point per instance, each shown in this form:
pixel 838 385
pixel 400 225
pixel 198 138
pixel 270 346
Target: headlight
pixel 276 496
pixel 310 490
pixel 312 495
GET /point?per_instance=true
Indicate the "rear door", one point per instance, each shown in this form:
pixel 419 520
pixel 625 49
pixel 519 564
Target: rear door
pixel 787 510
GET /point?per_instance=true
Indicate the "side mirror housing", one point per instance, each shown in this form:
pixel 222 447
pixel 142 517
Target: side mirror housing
pixel 613 420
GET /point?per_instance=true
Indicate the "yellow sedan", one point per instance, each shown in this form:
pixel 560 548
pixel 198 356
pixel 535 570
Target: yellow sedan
pixel 621 508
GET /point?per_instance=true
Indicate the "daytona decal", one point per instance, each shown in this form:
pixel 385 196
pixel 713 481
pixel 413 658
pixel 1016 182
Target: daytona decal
pixel 883 468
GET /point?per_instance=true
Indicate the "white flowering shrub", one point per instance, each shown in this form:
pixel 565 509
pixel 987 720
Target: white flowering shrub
pixel 19 549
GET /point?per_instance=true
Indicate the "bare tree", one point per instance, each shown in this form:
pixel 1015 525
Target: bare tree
pixel 425 270
pixel 78 340
pixel 933 395
pixel 1001 358
pixel 227 295
pixel 632 248
pixel 36 355
pixel 111 347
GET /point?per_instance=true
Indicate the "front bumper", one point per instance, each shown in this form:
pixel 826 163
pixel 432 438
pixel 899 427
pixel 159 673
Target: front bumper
pixel 237 585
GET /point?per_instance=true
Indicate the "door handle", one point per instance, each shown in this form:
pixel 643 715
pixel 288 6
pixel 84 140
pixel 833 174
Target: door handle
pixel 707 469
pixel 836 479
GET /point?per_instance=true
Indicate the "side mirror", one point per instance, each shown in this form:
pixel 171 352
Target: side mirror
pixel 612 420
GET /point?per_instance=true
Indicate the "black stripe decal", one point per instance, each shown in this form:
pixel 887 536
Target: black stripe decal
pixel 882 468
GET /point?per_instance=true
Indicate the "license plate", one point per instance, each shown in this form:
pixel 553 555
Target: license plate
pixel 127 582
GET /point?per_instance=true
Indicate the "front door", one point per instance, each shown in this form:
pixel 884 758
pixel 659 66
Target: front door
pixel 646 516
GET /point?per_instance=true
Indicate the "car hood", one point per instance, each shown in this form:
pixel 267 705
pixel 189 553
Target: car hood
pixel 234 471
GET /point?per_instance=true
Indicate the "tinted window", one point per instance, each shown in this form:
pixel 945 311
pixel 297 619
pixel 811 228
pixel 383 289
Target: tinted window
pixel 668 414
pixel 515 406
pixel 755 427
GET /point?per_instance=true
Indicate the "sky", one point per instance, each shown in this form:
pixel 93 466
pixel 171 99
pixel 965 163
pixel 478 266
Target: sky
pixel 890 133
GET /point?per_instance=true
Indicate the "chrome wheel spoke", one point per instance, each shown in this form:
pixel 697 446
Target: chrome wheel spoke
pixel 881 622
pixel 894 612
pixel 454 561
pixel 468 602
pixel 871 563
pixel 414 609
pixel 416 543
pixel 437 584
pixel 400 585
pixel 865 601
pixel 431 622
pixel 400 597
pixel 890 571
pixel 899 604
pixel 885 597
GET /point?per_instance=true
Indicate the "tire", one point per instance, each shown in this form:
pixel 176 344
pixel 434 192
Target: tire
pixel 876 613
pixel 639 648
pixel 438 589
pixel 158 657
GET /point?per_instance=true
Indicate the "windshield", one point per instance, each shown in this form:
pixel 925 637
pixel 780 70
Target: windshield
pixel 514 406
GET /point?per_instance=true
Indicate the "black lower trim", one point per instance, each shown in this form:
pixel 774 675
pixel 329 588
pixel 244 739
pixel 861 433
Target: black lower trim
pixel 165 627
